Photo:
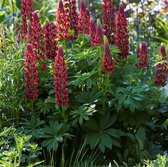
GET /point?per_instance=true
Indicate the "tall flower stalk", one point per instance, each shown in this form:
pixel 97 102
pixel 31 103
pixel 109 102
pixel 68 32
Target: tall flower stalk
pixel 160 76
pixel 61 79
pixel 161 69
pixel 72 16
pixel 108 66
pixel 62 22
pixel 84 19
pixel 31 74
pixel 143 56
pixel 50 41
pixel 36 38
pixel 99 34
pixel 109 20
pixel 163 53
pixel 122 36
pixel 164 57
pixel 26 14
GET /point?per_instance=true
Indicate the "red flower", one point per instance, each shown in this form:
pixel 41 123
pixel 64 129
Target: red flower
pixel 31 74
pixel 164 58
pixel 143 56
pixel 26 13
pixel 62 22
pixel 160 78
pixel 122 37
pixel 70 9
pixel 61 79
pixel 108 64
pixel 161 71
pixel 163 53
pixel 99 35
pixel 109 20
pixel 92 32
pixel 50 40
pixel 43 67
pixel 36 37
pixel 84 19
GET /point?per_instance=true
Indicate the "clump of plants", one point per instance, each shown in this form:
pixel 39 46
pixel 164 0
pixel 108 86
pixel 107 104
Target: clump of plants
pixel 75 88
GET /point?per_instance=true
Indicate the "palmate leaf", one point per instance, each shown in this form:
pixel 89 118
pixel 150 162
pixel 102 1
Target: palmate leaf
pixel 100 134
pixel 32 126
pixel 141 136
pixel 82 114
pixel 89 97
pixel 129 97
pixel 54 134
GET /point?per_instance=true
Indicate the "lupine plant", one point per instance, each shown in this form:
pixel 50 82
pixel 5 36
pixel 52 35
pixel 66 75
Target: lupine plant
pixel 73 85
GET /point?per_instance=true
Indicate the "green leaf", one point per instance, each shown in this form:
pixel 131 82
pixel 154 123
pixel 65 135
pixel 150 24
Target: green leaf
pixel 113 132
pixel 140 136
pixel 93 139
pixel 116 143
pixel 112 120
pixel 35 164
pixel 132 107
pixel 46 142
pixel 51 92
pixel 137 97
pixel 54 134
pixel 165 124
pixel 82 114
pixel 122 99
pixel 107 141
pixel 18 3
pixel 127 102
pixel 92 125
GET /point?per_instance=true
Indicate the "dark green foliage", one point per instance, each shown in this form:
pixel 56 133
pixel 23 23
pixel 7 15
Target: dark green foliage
pixel 122 117
pixel 100 132
pixel 54 134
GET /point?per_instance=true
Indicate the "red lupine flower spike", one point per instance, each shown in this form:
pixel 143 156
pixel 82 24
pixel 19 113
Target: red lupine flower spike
pixel 160 77
pixel 161 69
pixel 108 64
pixel 143 56
pixel 109 20
pixel 36 37
pixel 99 35
pixel 121 9
pixel 26 14
pixel 163 52
pixel 61 79
pixel 62 22
pixel 31 74
pixel 61 6
pixel 71 11
pixel 84 19
pixel 50 40
pixel 122 37
pixel 92 32
pixel 164 57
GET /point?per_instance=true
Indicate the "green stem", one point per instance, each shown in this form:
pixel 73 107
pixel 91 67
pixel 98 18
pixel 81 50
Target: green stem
pixel 64 114
pixel 100 62
pixel 15 161
pixel 62 157
pixel 32 107
pixel 83 38
pixel 65 47
pixel 105 88
pixel 13 10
